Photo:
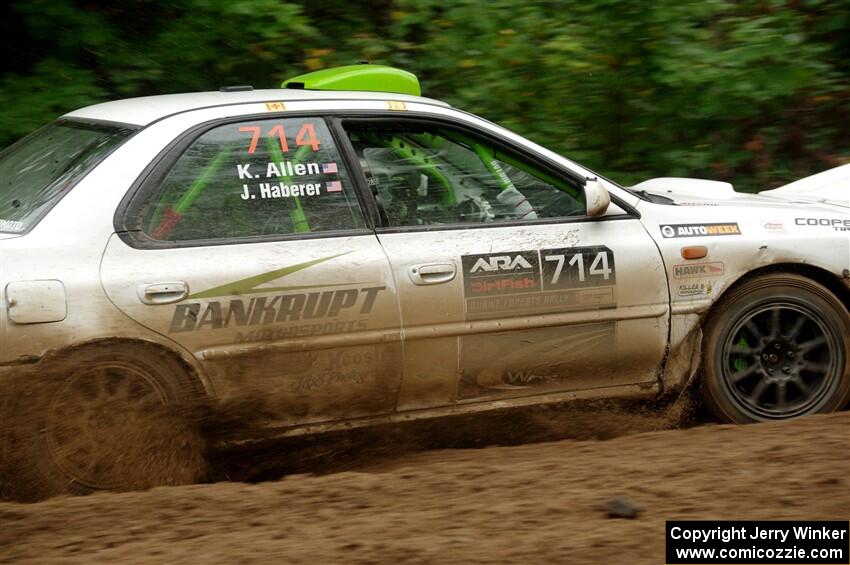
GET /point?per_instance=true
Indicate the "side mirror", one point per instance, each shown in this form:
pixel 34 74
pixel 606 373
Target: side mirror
pixel 597 197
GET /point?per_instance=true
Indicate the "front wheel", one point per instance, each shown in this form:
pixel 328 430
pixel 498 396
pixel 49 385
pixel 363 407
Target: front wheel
pixel 776 347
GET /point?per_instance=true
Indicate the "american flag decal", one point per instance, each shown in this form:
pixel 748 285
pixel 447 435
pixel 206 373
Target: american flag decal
pixel 333 186
pixel 328 168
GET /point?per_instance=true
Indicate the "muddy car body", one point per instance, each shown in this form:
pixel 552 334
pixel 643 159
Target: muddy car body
pixel 347 257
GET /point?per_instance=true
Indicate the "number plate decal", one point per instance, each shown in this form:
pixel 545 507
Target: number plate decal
pixel 538 282
pixel 578 267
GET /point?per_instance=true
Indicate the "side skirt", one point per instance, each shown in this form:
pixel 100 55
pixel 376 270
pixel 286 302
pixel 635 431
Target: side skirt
pixel 271 431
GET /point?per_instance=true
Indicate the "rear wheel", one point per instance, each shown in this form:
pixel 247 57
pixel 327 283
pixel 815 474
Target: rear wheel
pixel 776 347
pixel 108 418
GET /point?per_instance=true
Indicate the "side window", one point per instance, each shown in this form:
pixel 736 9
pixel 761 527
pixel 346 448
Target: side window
pixel 266 177
pixel 429 174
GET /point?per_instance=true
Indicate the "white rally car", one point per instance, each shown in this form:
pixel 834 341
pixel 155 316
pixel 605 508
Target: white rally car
pixel 344 252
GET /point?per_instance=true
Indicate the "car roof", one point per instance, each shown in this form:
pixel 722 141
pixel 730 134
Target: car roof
pixel 148 109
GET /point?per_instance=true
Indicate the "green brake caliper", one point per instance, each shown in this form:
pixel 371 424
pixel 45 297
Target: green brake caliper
pixel 739 363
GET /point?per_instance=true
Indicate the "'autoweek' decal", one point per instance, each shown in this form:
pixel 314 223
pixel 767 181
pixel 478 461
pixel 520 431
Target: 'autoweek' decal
pixel 697 230
pixel 278 308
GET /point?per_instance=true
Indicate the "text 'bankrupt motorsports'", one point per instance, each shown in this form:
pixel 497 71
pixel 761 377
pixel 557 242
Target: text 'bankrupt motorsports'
pixel 347 253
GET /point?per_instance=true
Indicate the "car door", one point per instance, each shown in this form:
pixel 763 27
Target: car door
pixel 506 288
pixel 246 245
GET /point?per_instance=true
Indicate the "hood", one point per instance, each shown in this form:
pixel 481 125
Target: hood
pixel 831 186
pixel 700 192
pixel 683 187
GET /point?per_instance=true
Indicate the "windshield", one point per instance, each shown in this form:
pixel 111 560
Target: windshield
pixel 37 171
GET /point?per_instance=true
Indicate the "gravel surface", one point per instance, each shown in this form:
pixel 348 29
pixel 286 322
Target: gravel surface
pixel 535 503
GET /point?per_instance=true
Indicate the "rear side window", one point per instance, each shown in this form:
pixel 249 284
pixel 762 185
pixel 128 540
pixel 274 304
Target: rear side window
pixel 40 169
pixel 255 178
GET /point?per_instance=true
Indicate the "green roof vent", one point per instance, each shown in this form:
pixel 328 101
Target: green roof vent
pixel 369 78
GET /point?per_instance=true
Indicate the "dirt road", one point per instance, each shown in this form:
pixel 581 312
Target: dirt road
pixel 537 503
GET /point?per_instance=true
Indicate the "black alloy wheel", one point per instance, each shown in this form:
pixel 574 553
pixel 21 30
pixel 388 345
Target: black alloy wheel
pixel 776 347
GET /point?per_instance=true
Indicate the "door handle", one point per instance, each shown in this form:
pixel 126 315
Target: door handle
pixel 163 293
pixel 432 273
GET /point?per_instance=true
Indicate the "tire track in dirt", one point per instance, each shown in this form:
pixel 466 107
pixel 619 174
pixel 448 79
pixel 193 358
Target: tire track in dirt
pixel 498 504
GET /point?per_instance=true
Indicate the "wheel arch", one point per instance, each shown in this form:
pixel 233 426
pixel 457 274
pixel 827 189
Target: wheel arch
pixel 827 279
pixel 201 385
pixel 817 274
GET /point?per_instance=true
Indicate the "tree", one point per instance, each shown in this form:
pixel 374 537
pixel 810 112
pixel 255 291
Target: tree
pixel 751 91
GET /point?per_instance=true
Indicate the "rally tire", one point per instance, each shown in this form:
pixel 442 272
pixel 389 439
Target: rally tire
pixel 776 347
pixel 107 417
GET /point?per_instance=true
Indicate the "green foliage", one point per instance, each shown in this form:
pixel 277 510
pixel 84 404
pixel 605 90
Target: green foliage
pixel 756 92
